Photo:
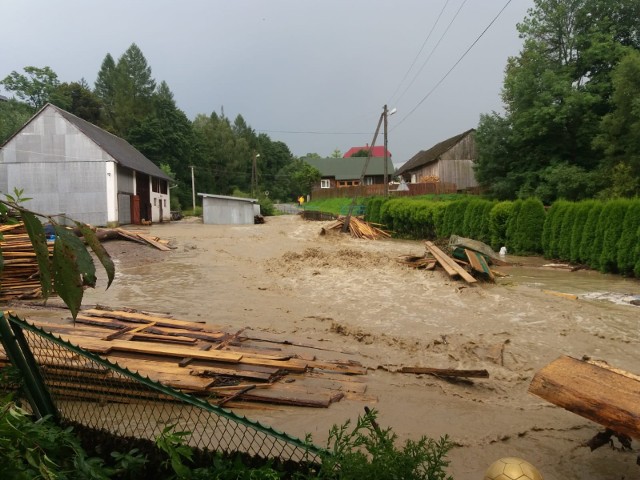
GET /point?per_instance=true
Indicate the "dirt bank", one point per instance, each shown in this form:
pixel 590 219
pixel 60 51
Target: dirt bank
pixel 352 295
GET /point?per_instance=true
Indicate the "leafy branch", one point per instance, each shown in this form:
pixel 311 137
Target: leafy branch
pixel 71 268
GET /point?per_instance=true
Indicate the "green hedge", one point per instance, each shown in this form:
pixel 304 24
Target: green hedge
pixel 603 235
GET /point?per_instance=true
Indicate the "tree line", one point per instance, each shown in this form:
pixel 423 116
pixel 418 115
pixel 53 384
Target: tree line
pixel 127 101
pixel 571 122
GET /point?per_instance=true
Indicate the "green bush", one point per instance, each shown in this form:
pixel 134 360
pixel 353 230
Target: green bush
pixel 613 216
pixel 512 226
pixel 369 452
pixel 589 233
pixel 529 226
pixel 498 218
pixel 563 243
pixel 581 214
pixel 636 269
pixel 598 240
pixel 552 229
pixel 629 239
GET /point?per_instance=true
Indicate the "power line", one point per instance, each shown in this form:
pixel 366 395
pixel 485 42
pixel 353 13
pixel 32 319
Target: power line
pixel 306 132
pixel 424 64
pixel 454 66
pixel 433 27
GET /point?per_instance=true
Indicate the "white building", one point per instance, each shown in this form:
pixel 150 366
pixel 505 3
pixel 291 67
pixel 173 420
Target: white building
pixel 223 210
pixel 70 166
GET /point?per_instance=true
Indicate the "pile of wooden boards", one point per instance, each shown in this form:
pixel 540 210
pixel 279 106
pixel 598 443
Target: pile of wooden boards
pixel 455 267
pixel 358 228
pixel 20 278
pixel 226 368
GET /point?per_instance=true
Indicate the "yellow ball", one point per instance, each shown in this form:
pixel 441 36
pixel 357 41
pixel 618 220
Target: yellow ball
pixel 512 468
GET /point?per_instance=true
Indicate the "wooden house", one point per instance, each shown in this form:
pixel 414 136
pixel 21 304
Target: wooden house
pixel 450 161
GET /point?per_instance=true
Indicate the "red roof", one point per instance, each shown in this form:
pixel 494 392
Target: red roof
pixel 375 152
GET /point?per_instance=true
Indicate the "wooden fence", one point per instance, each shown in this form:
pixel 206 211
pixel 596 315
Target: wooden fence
pixel 373 190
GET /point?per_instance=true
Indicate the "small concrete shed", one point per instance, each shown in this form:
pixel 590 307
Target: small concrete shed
pixel 223 210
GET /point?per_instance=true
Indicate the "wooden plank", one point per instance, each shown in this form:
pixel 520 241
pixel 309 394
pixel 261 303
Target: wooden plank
pixel 569 296
pixel 591 391
pixel 478 263
pixel 171 339
pixel 445 372
pixel 142 318
pixel 209 372
pixel 173 351
pixel 292 365
pixel 151 241
pixel 452 266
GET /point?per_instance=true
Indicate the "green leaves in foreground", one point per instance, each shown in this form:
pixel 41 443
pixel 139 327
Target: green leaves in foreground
pixel 71 268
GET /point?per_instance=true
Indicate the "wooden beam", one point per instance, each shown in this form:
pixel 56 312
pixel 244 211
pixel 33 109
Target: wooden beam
pixel 602 395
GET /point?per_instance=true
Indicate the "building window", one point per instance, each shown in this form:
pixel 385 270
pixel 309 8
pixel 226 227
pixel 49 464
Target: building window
pixel 165 202
pixel 368 180
pixel 155 202
pixel 325 183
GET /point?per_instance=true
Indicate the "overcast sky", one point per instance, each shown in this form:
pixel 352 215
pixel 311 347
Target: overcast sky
pixel 290 66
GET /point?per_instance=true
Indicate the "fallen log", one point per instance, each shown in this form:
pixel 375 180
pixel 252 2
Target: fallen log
pixel 600 394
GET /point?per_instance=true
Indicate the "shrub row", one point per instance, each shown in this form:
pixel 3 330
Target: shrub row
pixel 602 235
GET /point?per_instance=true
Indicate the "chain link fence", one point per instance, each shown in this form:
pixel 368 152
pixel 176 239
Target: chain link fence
pixel 76 386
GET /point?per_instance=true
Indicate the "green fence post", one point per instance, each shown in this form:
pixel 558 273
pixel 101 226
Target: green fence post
pixel 35 389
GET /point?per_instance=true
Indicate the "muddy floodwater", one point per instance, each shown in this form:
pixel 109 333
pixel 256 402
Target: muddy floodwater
pixel 352 295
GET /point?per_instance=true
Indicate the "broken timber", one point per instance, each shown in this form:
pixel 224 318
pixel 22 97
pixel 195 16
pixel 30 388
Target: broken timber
pixel 449 265
pixel 602 394
pixel 446 372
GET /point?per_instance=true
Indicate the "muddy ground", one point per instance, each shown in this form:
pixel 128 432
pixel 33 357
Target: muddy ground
pixel 352 295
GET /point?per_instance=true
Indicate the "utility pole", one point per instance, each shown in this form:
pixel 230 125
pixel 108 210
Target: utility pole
pixel 386 172
pixel 193 188
pixel 254 175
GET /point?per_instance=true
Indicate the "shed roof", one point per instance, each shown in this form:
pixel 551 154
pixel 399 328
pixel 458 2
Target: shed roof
pixel 225 197
pixel 350 168
pixel 424 157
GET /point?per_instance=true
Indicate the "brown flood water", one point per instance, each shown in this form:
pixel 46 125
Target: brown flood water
pixel 352 295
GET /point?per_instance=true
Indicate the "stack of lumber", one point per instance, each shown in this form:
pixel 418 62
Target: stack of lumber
pixel 224 367
pixel 358 228
pixel 20 278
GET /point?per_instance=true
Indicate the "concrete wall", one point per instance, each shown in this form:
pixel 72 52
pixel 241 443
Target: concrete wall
pixel 224 211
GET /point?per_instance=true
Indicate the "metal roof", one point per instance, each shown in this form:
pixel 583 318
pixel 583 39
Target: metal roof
pixel 225 197
pixel 350 168
pixel 424 157
pixel 121 150
pixel 377 151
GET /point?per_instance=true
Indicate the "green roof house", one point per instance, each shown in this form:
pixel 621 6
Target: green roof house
pixel 346 172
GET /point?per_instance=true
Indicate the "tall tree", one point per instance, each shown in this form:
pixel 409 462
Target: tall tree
pixel 105 89
pixel 555 94
pixel 36 87
pixel 13 115
pixel 77 98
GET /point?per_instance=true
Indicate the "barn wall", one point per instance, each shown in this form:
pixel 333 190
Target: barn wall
pixel 58 167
